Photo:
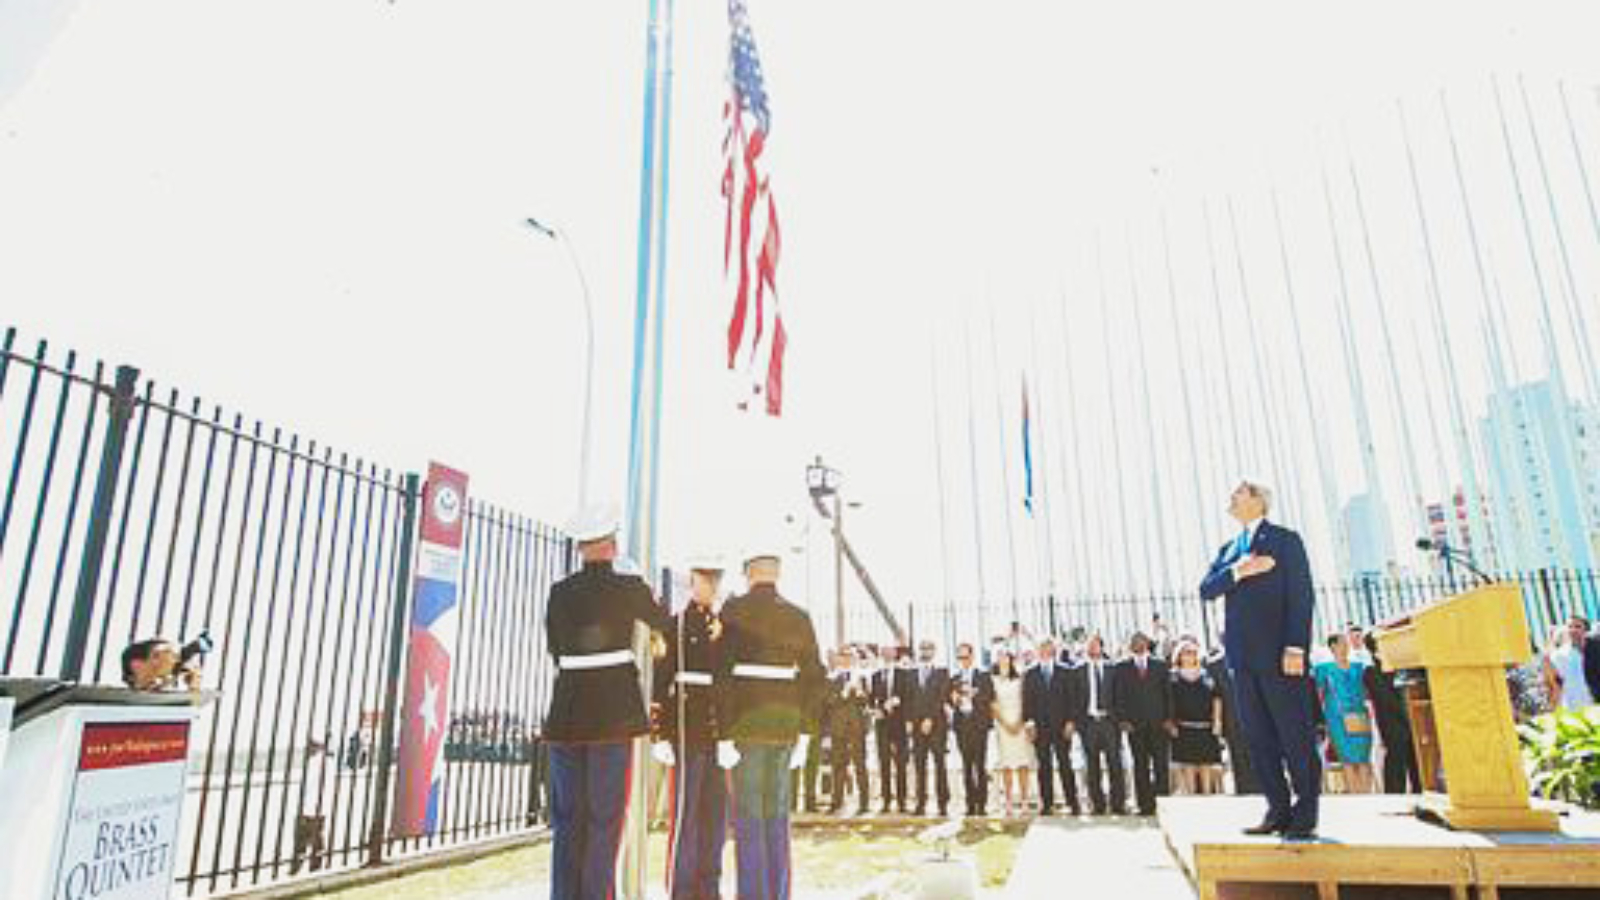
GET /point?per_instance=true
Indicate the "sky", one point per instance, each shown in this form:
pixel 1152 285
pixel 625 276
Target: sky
pixel 311 212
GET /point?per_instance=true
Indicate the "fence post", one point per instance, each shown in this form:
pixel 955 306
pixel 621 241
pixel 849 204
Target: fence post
pixel 383 760
pixel 99 529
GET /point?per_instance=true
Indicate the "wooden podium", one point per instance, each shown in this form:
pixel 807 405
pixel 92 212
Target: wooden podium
pixel 1465 644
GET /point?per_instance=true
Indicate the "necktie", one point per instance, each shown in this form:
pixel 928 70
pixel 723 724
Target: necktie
pixel 1241 545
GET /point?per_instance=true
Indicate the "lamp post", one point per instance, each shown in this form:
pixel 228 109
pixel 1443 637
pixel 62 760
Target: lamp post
pixel 823 482
pixel 561 238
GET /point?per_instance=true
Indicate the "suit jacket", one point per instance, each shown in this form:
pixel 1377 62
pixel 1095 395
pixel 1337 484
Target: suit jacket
pixel 762 628
pixel 593 611
pixel 845 710
pixel 1141 699
pixel 886 683
pixel 981 718
pixel 928 701
pixel 688 708
pixel 1266 613
pixel 1080 693
pixel 1047 704
pixel 1591 664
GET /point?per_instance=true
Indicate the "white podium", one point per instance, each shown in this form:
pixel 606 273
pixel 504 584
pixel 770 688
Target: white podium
pixel 93 785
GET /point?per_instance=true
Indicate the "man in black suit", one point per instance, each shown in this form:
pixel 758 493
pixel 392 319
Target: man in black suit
pixel 1142 705
pixel 1046 706
pixel 891 690
pixel 1093 702
pixel 1400 772
pixel 1266 578
pixel 971 694
pixel 928 715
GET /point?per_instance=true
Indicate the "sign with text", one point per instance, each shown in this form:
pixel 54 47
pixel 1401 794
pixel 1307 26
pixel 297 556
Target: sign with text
pixel 122 826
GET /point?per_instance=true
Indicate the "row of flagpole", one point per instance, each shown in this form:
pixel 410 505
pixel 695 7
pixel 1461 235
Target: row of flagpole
pixel 1083 546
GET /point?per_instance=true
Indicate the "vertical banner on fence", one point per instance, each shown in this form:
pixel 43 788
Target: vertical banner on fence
pixel 435 621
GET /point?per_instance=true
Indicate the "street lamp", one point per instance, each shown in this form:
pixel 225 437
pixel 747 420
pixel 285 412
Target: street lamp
pixel 823 482
pixel 561 238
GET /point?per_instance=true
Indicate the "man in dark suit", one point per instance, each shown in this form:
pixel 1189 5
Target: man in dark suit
pixel 1093 702
pixel 1400 772
pixel 1266 578
pixel 1591 659
pixel 891 689
pixel 1046 706
pixel 971 694
pixel 928 715
pixel 1142 705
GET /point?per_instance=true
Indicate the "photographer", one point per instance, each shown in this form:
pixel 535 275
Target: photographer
pixel 157 664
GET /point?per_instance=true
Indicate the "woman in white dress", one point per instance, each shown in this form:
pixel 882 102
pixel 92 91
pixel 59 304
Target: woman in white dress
pixel 1014 758
pixel 1563 667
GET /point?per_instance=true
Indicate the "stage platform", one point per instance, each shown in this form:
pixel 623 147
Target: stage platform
pixel 1372 846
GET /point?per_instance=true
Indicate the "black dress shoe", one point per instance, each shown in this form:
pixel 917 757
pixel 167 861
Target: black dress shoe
pixel 1265 828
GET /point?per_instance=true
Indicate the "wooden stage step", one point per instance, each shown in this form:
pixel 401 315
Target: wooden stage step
pixel 1372 846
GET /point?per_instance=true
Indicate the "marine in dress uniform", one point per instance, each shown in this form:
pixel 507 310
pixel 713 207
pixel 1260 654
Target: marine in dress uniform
pixel 845 721
pixel 687 741
pixel 770 687
pixel 596 708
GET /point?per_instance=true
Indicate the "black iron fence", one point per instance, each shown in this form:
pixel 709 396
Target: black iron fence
pixel 130 511
pixel 1549 596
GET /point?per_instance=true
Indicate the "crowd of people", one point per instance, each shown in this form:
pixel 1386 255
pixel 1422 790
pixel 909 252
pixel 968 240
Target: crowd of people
pixel 1076 724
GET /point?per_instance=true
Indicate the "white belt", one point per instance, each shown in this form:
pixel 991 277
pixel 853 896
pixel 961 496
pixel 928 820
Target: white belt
pixel 597 660
pixel 702 679
pixel 765 673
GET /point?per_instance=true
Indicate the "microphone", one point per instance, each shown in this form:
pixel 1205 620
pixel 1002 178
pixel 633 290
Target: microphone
pixel 1451 554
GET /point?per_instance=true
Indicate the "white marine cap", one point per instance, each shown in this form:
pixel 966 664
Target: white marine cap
pixel 594 522
pixel 706 562
pixel 763 548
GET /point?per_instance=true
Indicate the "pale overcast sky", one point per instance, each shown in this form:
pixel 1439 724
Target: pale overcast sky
pixel 310 211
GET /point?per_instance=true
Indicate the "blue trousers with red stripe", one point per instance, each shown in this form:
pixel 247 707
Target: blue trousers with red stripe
pixel 761 820
pixel 589 786
pixel 699 826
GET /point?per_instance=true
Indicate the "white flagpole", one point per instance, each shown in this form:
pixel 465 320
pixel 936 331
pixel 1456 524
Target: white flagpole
pixel 1418 516
pixel 1041 465
pixel 1477 529
pixel 1121 495
pixel 938 465
pixel 1158 568
pixel 1005 468
pixel 1573 305
pixel 1239 462
pixel 973 483
pixel 1546 323
pixel 1357 384
pixel 1288 484
pixel 1319 447
pixel 1081 573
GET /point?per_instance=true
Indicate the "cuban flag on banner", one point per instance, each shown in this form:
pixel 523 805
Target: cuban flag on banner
pixel 435 622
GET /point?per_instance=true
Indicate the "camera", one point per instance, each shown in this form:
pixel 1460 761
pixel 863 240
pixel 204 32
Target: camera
pixel 195 649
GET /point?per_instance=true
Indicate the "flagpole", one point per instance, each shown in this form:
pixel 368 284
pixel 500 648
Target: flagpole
pixel 938 465
pixel 1330 488
pixel 1583 170
pixel 1573 306
pixel 1417 515
pixel 977 496
pixel 1188 414
pixel 1239 461
pixel 1477 531
pixel 1509 516
pixel 1546 324
pixel 1357 384
pixel 1267 417
pixel 1077 542
pixel 1005 469
pixel 1043 499
pixel 1157 521
pixel 1116 423
pixel 644 422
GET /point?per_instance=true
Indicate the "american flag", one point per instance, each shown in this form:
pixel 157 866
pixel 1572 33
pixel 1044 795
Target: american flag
pixel 752 241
